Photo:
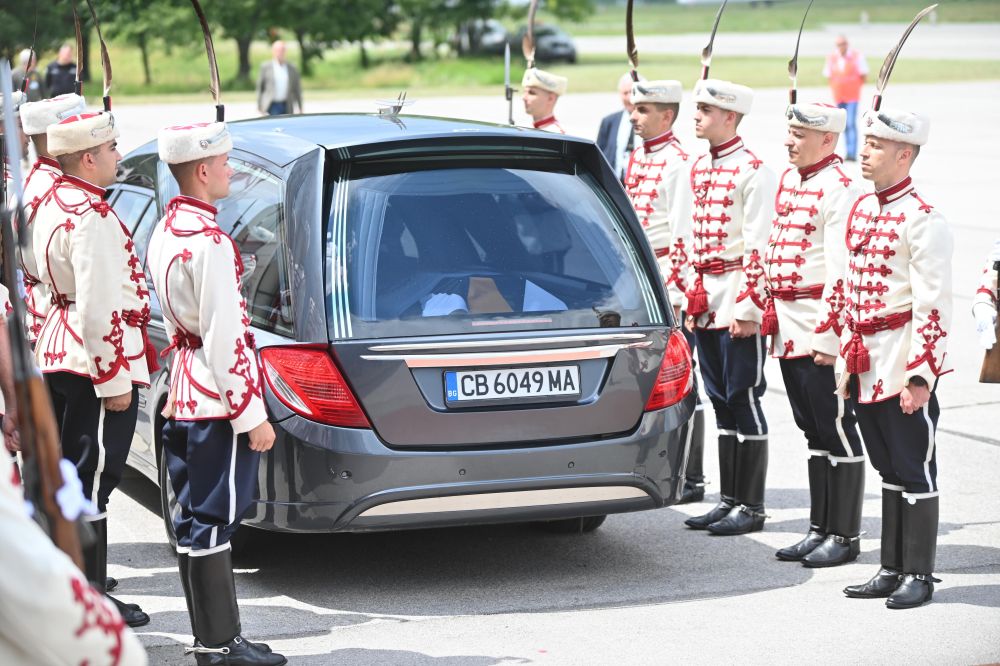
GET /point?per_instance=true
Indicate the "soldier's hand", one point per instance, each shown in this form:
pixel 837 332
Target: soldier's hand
pixel 914 397
pixel 11 438
pixel 262 437
pixel 740 328
pixel 689 323
pixel 819 358
pixel 118 403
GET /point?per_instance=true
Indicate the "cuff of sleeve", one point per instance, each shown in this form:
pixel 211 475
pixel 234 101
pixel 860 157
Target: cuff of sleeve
pixel 983 310
pixel 251 417
pixel 746 310
pixel 825 343
pixel 120 384
pixel 924 372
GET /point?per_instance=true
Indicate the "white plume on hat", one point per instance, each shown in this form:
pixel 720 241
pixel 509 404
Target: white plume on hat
pixel 657 92
pixel 187 143
pixel 81 132
pixel 19 98
pixel 724 95
pixel 37 116
pixel 537 78
pixel 896 125
pixel 815 116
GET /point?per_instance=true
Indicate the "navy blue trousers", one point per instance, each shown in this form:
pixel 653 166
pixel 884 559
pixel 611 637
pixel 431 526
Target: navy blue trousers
pixel 213 474
pixel 733 371
pixel 901 446
pixel 826 419
pixel 95 440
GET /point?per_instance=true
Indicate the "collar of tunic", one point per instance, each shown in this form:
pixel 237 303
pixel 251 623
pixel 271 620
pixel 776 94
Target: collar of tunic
pixel 805 173
pixel 726 148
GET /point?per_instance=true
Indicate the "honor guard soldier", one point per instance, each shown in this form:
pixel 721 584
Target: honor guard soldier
pixel 733 203
pixel 50 614
pixel 36 118
pixel 541 92
pixel 657 182
pixel 92 346
pixel 217 424
pixel 898 323
pixel 805 263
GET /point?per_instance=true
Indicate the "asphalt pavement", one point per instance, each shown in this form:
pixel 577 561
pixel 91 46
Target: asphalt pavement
pixel 642 589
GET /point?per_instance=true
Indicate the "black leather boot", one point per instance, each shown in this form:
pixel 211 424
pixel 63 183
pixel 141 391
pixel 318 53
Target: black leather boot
pixel 843 543
pixel 818 466
pixel 727 485
pixel 882 584
pixel 920 526
pixel 216 616
pixel 694 475
pixel 751 475
pixel 95 563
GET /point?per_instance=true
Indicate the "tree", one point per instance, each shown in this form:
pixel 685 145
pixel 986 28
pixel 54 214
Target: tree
pixel 242 20
pixel 145 23
pixel 342 21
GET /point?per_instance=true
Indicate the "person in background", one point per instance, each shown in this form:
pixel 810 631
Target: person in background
pixel 846 69
pixel 60 75
pixel 279 86
pixel 27 68
pixel 616 137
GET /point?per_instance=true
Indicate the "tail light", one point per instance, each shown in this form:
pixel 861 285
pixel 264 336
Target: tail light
pixel 308 382
pixel 674 381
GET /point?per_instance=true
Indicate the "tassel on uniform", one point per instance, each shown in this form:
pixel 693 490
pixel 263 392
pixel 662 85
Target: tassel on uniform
pixel 697 299
pixel 856 355
pixel 769 322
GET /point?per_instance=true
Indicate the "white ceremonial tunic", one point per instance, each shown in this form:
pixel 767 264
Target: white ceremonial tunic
pixel 549 124
pixel 40 181
pixel 657 182
pixel 95 326
pixel 986 293
pixel 733 207
pixel 898 282
pixel 806 259
pixel 197 270
pixel 49 613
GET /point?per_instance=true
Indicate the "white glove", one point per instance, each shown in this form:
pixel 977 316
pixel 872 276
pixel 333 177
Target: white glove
pixel 439 305
pixel 986 322
pixel 995 252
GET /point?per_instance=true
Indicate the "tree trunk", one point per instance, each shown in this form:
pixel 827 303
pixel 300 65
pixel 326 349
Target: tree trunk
pixel 304 55
pixel 416 31
pixel 243 45
pixel 363 52
pixel 85 57
pixel 144 49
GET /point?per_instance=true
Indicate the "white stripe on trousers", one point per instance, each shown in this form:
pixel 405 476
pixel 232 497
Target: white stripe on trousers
pixel 101 454
pixel 754 405
pixel 930 449
pixel 232 482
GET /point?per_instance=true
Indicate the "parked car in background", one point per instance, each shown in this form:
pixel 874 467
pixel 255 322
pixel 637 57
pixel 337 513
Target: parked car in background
pixel 458 323
pixel 551 43
pixel 482 37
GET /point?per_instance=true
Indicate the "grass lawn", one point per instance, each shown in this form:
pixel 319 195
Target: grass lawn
pixel 658 17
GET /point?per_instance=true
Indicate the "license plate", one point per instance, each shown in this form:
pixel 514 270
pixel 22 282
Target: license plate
pixel 512 383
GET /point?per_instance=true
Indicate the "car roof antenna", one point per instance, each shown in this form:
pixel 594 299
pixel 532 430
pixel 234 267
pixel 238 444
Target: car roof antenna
pixel 392 107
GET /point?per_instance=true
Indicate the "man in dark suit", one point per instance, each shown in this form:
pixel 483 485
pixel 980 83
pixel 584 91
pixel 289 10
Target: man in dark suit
pixel 616 138
pixel 279 86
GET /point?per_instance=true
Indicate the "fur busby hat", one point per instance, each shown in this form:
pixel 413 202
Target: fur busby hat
pixel 815 116
pixel 657 92
pixel 537 78
pixel 18 101
pixel 187 143
pixel 723 94
pixel 896 125
pixel 81 132
pixel 36 117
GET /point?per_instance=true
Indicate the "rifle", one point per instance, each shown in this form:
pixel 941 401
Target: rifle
pixel 990 371
pixel 39 435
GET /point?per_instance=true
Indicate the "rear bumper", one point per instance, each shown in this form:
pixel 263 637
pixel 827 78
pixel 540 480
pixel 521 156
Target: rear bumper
pixel 325 479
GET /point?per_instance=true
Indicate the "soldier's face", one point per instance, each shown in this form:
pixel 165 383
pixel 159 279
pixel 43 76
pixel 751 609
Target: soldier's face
pixel 709 121
pixel 881 158
pixel 218 176
pixel 537 100
pixel 806 146
pixel 650 122
pixel 106 159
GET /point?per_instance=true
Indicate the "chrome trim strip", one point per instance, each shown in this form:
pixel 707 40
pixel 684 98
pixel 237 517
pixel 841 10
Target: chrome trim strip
pixel 474 344
pixel 507 358
pixel 505 500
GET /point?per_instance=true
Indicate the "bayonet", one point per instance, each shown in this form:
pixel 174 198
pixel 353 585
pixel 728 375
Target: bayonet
pixel 793 64
pixel 890 60
pixel 632 51
pixel 508 90
pixel 706 53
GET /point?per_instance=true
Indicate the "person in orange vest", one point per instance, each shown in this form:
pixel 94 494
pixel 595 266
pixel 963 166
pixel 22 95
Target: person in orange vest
pixel 846 70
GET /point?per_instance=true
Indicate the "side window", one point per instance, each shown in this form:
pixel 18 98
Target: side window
pixel 130 206
pixel 143 231
pixel 253 215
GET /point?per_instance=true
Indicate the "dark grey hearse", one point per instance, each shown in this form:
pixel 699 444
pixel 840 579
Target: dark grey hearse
pixel 458 323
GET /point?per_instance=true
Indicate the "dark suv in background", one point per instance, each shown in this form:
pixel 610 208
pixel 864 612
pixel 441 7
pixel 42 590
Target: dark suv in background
pixel 458 323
